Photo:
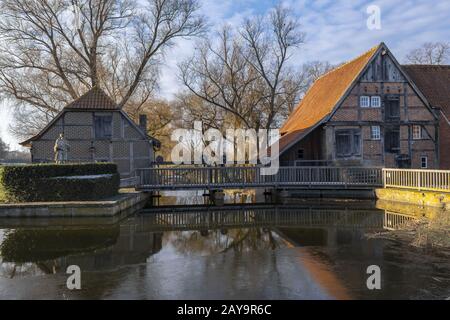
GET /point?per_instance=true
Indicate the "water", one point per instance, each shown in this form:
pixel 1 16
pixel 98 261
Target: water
pixel 301 250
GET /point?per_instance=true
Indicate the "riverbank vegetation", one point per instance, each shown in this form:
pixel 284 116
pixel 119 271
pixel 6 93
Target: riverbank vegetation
pixel 432 235
pixel 2 194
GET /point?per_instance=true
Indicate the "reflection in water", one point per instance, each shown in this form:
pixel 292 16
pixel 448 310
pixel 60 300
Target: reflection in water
pixel 295 251
pixel 34 245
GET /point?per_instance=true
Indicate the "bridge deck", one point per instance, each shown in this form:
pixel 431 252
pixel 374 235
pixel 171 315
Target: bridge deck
pixel 179 178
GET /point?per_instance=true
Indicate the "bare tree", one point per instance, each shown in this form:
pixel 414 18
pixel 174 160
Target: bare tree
pixel 48 59
pixel 436 53
pixel 220 76
pixel 296 86
pixel 245 78
pixel 161 116
pixel 268 50
pixel 314 69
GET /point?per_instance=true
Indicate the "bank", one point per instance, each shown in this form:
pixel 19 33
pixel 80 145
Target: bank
pixel 127 201
pixel 415 197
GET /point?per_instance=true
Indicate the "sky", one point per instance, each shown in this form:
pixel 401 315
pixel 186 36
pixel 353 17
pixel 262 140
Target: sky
pixel 336 31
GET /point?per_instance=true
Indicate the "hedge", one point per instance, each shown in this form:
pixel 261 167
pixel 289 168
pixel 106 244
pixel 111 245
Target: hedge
pixel 50 182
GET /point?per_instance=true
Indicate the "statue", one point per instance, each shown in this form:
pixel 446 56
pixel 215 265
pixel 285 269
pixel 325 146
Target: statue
pixel 61 149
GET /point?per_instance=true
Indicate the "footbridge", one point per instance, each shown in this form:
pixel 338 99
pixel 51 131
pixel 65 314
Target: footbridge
pixel 239 177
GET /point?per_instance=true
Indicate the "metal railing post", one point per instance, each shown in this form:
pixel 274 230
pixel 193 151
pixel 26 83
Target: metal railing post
pixel 419 180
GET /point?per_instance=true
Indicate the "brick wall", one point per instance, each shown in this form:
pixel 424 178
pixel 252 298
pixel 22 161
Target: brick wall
pixel 412 111
pixel 127 147
pixel 444 143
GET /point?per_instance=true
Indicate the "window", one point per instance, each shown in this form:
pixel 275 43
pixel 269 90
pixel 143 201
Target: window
pixel 392 109
pixel 300 154
pixel 417 132
pixel 103 126
pixel 424 162
pixel 375 102
pixel 348 143
pixel 392 140
pixel 364 101
pixel 375 133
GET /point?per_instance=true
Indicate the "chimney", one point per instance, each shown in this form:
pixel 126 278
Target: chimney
pixel 143 122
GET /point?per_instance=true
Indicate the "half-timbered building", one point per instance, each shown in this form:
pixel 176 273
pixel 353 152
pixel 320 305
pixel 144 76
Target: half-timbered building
pixel 97 130
pixel 366 112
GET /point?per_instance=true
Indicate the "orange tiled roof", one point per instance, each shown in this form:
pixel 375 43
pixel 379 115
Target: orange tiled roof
pixel 325 93
pixel 93 99
pixel 291 137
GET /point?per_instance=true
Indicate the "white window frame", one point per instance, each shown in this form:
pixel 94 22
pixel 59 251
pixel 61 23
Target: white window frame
pixel 372 101
pixel 366 100
pixel 416 135
pixel 422 158
pixel 376 136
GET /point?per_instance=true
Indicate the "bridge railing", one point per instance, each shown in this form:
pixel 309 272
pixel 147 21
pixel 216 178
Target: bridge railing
pixel 250 176
pixel 432 180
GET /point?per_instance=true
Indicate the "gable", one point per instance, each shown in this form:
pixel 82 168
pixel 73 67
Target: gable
pixel 325 93
pixel 93 99
pixel 382 68
pixel 382 75
pixel 78 124
pixel 338 90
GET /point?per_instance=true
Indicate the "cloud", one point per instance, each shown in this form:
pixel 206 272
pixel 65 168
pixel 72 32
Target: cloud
pixel 218 13
pixel 336 30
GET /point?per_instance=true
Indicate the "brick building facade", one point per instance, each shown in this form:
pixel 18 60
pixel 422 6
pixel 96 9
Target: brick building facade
pixel 434 82
pixel 366 112
pixel 97 130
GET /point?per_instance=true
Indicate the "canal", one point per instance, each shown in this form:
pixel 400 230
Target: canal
pixel 302 249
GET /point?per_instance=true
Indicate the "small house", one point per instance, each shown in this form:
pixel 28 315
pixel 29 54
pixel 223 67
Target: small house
pixel 97 130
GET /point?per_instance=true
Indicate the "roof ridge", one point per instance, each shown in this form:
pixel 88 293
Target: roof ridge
pixel 320 99
pixel 92 91
pixel 349 61
pixel 343 65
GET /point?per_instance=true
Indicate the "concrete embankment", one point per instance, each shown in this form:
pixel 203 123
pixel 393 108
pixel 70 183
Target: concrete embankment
pixel 128 201
pixel 324 193
pixel 414 197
